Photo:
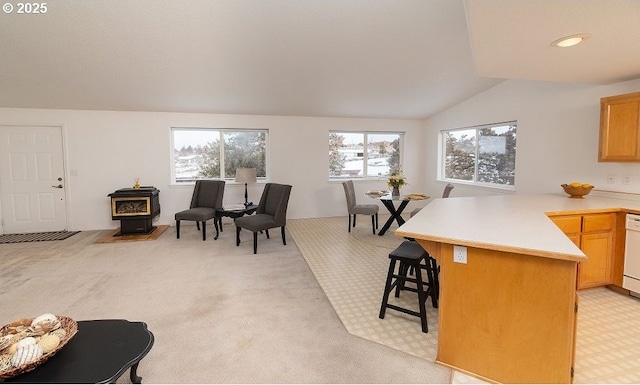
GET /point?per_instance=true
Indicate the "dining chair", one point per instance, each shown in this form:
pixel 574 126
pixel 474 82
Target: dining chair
pixel 353 208
pixel 206 198
pixel 445 194
pixel 271 213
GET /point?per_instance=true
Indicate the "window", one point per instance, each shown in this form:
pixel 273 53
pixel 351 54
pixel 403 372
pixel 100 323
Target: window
pixel 481 155
pixel 205 153
pixel 364 154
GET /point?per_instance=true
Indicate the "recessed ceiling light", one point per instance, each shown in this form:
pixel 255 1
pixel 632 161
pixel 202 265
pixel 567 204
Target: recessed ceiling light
pixel 572 40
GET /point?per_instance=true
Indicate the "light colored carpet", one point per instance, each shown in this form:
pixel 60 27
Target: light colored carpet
pixel 219 313
pixel 223 315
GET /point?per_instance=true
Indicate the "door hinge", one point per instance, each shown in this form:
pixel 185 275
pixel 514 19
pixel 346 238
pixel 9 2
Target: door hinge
pixel 572 372
pixel 575 307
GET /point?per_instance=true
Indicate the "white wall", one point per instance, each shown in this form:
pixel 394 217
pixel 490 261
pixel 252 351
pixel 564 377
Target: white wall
pixel 557 140
pixel 557 143
pixel 106 150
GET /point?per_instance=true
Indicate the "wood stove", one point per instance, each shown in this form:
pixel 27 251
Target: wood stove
pixel 135 208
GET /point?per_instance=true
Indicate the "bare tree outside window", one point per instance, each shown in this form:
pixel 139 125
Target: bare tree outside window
pixel 216 154
pixel 245 149
pixel 483 154
pixel 336 158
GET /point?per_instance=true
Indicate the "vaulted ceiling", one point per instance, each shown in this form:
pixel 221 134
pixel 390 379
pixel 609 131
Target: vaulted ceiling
pixel 347 58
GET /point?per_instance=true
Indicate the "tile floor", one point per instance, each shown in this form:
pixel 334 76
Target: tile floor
pixel 351 269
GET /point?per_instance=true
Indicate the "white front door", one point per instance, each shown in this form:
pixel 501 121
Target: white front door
pixel 32 179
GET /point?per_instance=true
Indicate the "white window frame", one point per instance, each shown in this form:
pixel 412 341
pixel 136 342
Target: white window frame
pixel 221 131
pixel 365 170
pixel 442 154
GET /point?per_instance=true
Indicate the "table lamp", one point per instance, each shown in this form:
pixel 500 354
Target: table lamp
pixel 246 175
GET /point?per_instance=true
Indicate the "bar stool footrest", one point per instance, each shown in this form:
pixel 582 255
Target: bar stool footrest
pixel 403 310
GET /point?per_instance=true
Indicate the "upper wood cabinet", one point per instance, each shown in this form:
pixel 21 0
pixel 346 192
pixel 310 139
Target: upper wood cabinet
pixel 620 128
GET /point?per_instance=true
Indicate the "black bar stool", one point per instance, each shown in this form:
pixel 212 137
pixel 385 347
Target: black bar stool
pixel 411 255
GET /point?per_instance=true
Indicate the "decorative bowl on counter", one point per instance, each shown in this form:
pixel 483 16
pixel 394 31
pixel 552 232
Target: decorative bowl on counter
pixel 577 190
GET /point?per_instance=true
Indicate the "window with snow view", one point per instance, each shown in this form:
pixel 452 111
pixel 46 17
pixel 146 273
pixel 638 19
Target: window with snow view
pixel 482 155
pixel 364 154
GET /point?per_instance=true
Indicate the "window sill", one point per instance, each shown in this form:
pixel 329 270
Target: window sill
pixel 228 183
pixel 479 186
pixel 358 179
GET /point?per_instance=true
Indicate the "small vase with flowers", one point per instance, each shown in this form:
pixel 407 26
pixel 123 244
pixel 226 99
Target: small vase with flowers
pixel 396 181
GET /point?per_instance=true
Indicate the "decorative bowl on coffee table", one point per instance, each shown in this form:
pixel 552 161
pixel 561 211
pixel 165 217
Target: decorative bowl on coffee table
pixel 577 190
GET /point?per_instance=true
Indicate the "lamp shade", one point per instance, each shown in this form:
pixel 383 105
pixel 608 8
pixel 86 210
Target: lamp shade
pixel 246 175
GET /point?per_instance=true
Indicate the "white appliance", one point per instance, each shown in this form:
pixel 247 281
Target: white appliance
pixel 631 278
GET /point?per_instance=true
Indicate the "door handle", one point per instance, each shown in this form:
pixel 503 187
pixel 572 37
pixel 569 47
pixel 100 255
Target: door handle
pixel 58 186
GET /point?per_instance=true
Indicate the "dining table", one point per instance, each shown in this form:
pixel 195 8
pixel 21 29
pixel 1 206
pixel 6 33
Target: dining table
pixel 390 201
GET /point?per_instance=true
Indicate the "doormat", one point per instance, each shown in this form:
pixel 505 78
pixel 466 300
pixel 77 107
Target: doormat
pixel 109 237
pixel 37 237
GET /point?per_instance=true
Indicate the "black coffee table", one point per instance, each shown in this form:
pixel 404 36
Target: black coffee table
pixel 99 353
pixel 233 213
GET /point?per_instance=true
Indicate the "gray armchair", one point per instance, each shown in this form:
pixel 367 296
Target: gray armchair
pixel 353 208
pixel 206 198
pixel 271 213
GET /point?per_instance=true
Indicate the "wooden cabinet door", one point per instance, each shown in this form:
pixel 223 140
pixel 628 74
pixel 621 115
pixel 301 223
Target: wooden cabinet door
pixel 569 224
pixel 598 222
pixel 594 234
pixel 620 128
pixel 596 271
pixel 575 238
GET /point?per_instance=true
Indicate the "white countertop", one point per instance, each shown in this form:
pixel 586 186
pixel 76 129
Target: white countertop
pixel 512 223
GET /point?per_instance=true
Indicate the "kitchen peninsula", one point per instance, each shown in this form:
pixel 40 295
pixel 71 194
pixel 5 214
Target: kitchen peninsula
pixel 508 309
